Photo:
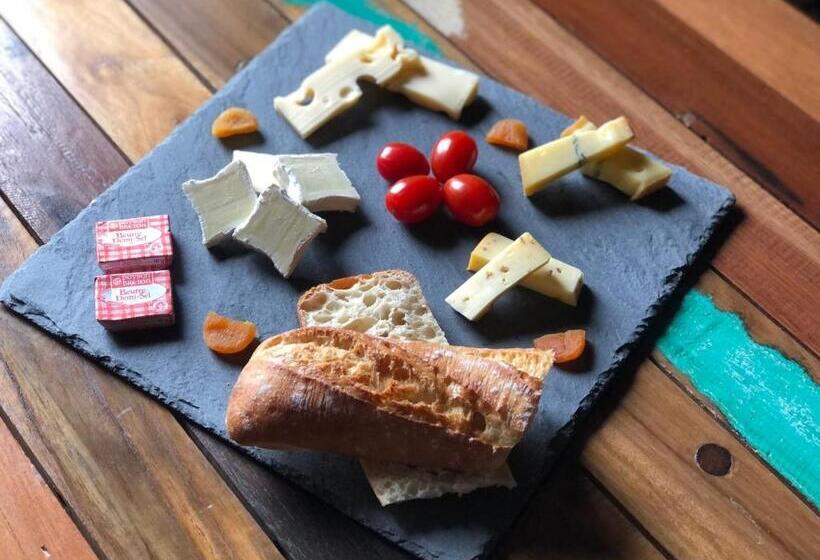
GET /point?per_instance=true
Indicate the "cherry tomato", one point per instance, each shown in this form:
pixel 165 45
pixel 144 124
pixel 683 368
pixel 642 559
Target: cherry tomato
pixel 398 160
pixel 471 200
pixel 453 153
pixel 413 199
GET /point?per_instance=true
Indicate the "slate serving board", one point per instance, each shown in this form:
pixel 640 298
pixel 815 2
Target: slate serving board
pixel 633 256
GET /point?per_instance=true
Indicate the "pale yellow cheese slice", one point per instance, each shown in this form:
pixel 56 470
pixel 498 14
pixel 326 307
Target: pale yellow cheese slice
pixel 555 279
pixel 542 165
pixel 333 88
pixel 520 258
pixel 630 171
pixel 426 82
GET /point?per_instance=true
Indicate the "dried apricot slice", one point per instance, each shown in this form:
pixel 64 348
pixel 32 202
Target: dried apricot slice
pixel 568 345
pixel 233 121
pixel 225 335
pixel 509 133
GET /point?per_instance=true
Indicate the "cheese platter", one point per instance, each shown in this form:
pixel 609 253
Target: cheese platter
pixel 274 232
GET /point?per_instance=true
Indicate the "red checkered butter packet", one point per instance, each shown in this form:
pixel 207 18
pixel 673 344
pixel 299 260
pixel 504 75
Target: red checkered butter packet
pixel 134 300
pixel 134 244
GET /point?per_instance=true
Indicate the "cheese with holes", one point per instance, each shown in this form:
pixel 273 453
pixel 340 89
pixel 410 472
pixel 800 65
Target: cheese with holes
pixel 632 172
pixel 281 229
pixel 544 164
pixel 260 168
pixel 332 89
pixel 316 181
pixel 222 202
pixel 512 264
pixel 556 279
pixel 427 82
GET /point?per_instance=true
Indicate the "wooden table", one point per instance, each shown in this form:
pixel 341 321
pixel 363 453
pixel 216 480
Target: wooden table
pixel 730 89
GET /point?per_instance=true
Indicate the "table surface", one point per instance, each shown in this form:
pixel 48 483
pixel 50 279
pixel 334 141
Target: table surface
pixel 94 468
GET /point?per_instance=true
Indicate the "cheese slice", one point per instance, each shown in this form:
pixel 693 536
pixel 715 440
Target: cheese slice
pixel 632 172
pixel 281 229
pixel 556 279
pixel 223 202
pixel 427 82
pixel 316 181
pixel 333 88
pixel 519 259
pixel 544 164
pixel 260 168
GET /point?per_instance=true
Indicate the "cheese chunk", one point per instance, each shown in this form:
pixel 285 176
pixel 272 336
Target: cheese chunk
pixel 544 164
pixel 519 259
pixel 316 181
pixel 260 168
pixel 281 229
pixel 427 82
pixel 632 172
pixel 223 202
pixel 332 89
pixel 556 279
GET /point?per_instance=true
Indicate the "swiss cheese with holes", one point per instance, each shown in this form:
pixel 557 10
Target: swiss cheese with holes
pixel 332 89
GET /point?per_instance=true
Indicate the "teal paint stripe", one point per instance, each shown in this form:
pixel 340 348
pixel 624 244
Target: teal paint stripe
pixel 365 10
pixel 768 398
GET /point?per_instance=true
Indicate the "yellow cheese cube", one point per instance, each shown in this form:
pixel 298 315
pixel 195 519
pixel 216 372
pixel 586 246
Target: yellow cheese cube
pixel 475 296
pixel 544 164
pixel 630 171
pixel 555 279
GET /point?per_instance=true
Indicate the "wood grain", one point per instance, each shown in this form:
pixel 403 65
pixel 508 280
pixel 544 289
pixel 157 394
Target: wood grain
pixel 32 522
pixel 772 256
pixel 645 455
pixel 121 73
pixel 742 115
pixel 122 463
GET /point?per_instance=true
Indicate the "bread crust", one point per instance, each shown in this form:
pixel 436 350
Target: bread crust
pixel 297 391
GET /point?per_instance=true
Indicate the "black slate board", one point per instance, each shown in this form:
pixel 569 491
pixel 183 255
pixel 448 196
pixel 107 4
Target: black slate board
pixel 633 256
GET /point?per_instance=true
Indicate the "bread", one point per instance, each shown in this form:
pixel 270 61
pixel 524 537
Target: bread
pixel 345 392
pixel 387 303
pixel 534 363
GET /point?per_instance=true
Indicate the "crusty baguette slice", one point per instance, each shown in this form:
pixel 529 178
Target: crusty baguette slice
pixel 345 392
pixel 388 303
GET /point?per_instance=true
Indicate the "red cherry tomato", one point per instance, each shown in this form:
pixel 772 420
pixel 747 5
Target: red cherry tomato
pixel 453 153
pixel 398 160
pixel 471 200
pixel 413 199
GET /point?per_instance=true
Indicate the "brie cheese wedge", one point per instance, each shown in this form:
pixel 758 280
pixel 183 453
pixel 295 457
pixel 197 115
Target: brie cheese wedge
pixel 316 181
pixel 260 168
pixel 222 202
pixel 281 229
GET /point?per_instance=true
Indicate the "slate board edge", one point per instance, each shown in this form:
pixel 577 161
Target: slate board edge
pixel 558 442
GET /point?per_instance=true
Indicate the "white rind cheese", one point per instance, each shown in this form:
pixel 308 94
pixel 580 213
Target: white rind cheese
pixel 333 88
pixel 260 168
pixel 556 279
pixel 316 181
pixel 223 202
pixel 632 172
pixel 519 259
pixel 546 163
pixel 427 82
pixel 281 229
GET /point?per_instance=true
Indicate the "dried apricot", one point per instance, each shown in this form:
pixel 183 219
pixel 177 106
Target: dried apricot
pixel 225 335
pixel 509 133
pixel 233 121
pixel 568 345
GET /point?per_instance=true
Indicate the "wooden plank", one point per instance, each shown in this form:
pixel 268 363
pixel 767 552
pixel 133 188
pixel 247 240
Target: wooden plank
pixel 215 37
pixel 32 521
pixel 121 461
pixel 644 454
pixel 712 92
pixel 121 73
pixel 783 51
pixel 772 255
